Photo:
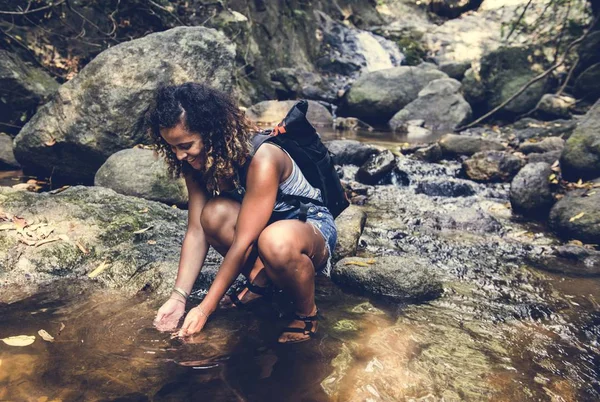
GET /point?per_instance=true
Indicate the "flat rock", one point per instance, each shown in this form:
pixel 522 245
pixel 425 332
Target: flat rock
pixel 549 144
pixel 490 166
pixel 454 145
pixel 449 187
pixel 577 216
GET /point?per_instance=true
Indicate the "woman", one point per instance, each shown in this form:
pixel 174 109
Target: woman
pixel 204 136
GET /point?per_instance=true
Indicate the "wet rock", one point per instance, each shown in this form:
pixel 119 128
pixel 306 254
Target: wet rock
pixel 531 128
pixel 549 144
pixel 569 260
pixel 474 90
pixel 22 89
pixel 400 278
pixel 454 145
pixel 101 110
pixel 455 70
pixel 445 188
pixel 489 166
pixel 588 83
pixel 555 106
pixel 377 96
pixel 440 105
pixel 297 83
pixel 432 153
pixel 452 8
pixel 350 224
pixel 588 51
pixel 581 155
pixel 7 156
pixel 376 168
pixel 577 216
pixel 531 192
pixel 272 112
pixel 547 157
pixel 350 124
pixel 139 240
pixel 350 152
pixel 141 173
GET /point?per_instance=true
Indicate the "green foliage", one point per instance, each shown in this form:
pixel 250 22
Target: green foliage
pixel 412 49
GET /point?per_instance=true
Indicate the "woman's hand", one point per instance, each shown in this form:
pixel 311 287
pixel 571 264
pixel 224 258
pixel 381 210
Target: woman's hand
pixel 169 314
pixel 194 321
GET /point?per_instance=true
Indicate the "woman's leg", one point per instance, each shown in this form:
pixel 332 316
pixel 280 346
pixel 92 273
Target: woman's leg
pixel 290 250
pixel 218 219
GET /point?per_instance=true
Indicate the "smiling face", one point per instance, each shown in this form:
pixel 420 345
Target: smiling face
pixel 186 145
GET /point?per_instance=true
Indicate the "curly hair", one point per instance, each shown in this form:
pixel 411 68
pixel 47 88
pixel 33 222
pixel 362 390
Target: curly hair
pixel 224 129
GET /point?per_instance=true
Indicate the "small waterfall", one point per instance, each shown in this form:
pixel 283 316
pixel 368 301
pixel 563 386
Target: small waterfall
pixel 376 56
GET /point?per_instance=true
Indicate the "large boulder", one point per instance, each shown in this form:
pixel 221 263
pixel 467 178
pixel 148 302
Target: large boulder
pixel 531 192
pixel 376 168
pixel 22 89
pixel 101 110
pixel 400 278
pixel 350 152
pixel 350 225
pixel 492 166
pixel 454 145
pixel 377 96
pixel 577 216
pixel 581 155
pixel 587 84
pixel 141 173
pixel 440 105
pixel 128 243
pixel 271 112
pixel 7 156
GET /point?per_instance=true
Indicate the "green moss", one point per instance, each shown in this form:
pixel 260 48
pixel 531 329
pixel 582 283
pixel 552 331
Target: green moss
pixel 121 228
pixel 412 49
pixel 61 259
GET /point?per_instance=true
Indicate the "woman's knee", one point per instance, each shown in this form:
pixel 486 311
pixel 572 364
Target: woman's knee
pixel 219 214
pixel 277 249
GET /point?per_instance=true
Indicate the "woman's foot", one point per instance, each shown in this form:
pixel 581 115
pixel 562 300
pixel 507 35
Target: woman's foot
pixel 248 293
pixel 301 329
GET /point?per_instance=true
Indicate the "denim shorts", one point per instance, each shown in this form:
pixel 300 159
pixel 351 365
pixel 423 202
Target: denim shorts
pixel 323 221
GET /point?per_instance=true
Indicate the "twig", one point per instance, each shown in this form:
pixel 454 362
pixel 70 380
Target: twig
pixel 569 75
pixel 27 11
pixel 562 31
pixel 168 11
pixel 512 30
pixel 533 80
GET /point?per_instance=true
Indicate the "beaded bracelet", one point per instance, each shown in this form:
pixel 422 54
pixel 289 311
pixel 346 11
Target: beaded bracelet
pixel 181 292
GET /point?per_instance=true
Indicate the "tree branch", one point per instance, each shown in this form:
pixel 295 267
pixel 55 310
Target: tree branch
pixel 27 11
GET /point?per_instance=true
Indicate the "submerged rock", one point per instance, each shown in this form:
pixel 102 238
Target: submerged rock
pixel 141 173
pixel 581 155
pixel 350 225
pixel 531 192
pixel 400 278
pixel 101 110
pixel 350 124
pixel 569 260
pixel 577 216
pixel 376 168
pixel 492 166
pixel 454 145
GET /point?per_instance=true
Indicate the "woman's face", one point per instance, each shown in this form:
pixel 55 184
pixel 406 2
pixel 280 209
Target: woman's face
pixel 186 145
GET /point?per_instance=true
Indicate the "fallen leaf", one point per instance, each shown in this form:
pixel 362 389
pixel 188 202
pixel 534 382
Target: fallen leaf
pixel 552 177
pixel 555 181
pixel 50 142
pixel 174 206
pixel 556 163
pixel 98 270
pixel 575 243
pixel 28 242
pixel 45 335
pixel 20 223
pixel 578 216
pixel 19 340
pixel 143 211
pixel 589 194
pixel 64 237
pixel 46 241
pixel 151 241
pixel 142 230
pixel 59 190
pixel 361 263
pixel 81 247
pixel 8 226
pixel 62 326
pixel 579 182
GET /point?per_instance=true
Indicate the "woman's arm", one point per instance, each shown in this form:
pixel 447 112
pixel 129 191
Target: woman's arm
pixel 262 182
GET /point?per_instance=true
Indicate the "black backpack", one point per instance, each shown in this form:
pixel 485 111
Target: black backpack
pixel 299 138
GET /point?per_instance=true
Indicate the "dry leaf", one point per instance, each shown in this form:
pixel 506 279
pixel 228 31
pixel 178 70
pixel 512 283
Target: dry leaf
pixel 46 241
pixel 578 216
pixel 8 226
pixel 50 142
pixel 555 164
pixel 142 230
pixel 28 242
pixel 20 223
pixel 64 237
pixel 589 194
pixel 81 247
pixel 45 335
pixel 575 243
pixel 552 177
pixel 174 206
pixel 19 340
pixel 98 270
pixel 62 326
pixel 143 211
pixel 152 242
pixel 361 263
pixel 59 190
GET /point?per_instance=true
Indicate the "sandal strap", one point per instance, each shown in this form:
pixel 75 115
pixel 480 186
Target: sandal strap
pixel 260 290
pixel 307 318
pixel 307 330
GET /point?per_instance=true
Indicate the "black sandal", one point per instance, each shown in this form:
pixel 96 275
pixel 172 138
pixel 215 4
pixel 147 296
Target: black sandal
pixel 265 291
pixel 307 330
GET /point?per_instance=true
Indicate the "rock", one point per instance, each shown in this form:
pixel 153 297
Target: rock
pixel 376 168
pixel 546 145
pixel 587 84
pixel 577 216
pixel 531 192
pixel 350 124
pixel 445 188
pixel 272 112
pixel 101 110
pixel 377 96
pixel 452 8
pixel 580 158
pixel 139 240
pixel 503 72
pixel 455 70
pixel 432 153
pixel 474 90
pixel 527 128
pixel 141 173
pixel 297 83
pixel 7 156
pixel 588 51
pixel 454 145
pixel 548 157
pixel 555 106
pixel 570 260
pixel 346 50
pixel 22 89
pixel 350 224
pixel 489 166
pixel 350 152
pixel 439 104
pixel 400 278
